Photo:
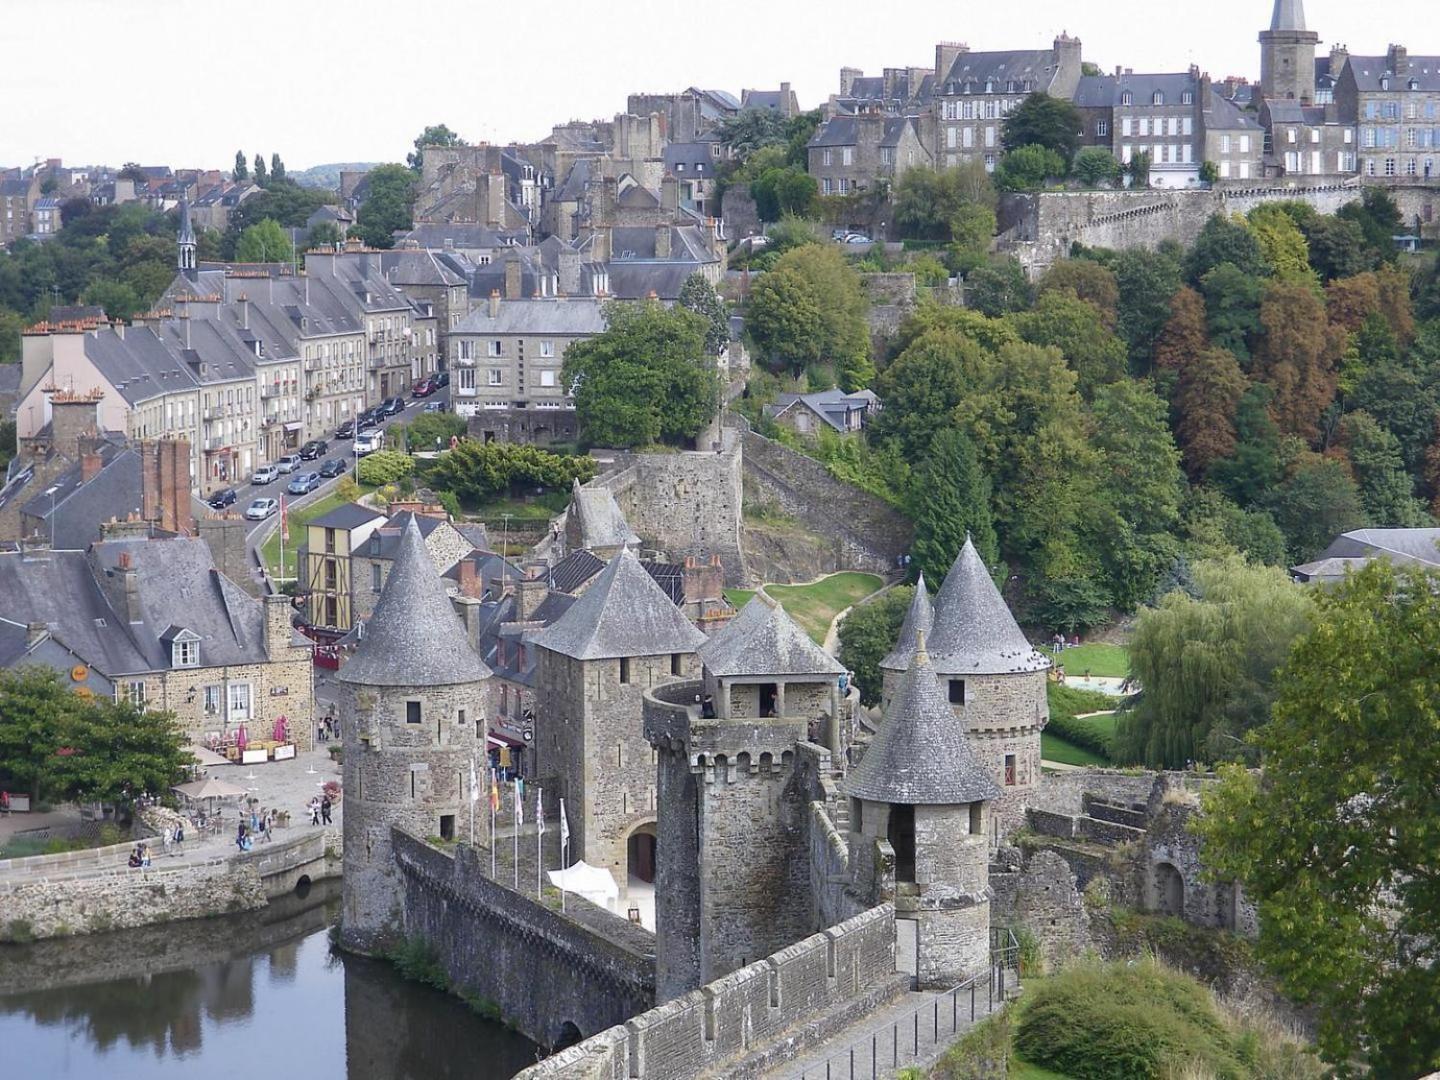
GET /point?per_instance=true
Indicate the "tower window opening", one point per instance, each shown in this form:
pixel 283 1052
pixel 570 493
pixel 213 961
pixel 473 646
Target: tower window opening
pixel 957 691
pixel 901 835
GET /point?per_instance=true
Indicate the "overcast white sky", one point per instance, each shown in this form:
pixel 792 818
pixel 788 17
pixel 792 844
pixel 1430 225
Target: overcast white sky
pixel 187 82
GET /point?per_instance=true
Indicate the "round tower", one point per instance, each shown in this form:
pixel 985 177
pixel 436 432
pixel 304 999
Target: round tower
pixel 920 805
pixel 918 620
pixel 993 679
pixel 414 724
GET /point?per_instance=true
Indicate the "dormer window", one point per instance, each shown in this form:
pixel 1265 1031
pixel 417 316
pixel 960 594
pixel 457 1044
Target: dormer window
pixel 1384 82
pixel 1187 98
pixel 1158 98
pixel 1413 84
pixel 184 647
pixel 1127 98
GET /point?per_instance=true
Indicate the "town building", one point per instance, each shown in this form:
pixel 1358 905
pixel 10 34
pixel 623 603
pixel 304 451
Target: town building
pixel 372 561
pixel 327 565
pixel 1395 101
pixel 852 152
pixel 1352 551
pixel 18 196
pixel 833 410
pixel 1234 138
pixel 1158 115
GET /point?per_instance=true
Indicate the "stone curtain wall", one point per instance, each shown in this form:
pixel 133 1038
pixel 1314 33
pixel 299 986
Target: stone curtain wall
pixel 542 968
pixel 868 533
pixel 736 1025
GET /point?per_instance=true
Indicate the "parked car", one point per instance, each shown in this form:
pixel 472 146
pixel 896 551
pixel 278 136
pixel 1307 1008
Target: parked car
pixel 265 474
pixel 260 509
pixel 304 483
pixel 392 407
pixel 315 448
pixel 424 388
pixel 442 378
pixel 221 499
pixel 434 406
pixel 367 442
pixel 858 238
pixel 346 430
pixel 289 463
pixel 333 468
pixel 367 419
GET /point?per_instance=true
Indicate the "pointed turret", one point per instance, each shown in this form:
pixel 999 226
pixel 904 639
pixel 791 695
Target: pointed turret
pixel 1288 15
pixel 920 619
pixel 185 239
pixel 414 638
pixel 921 756
pixel 764 640
pixel 974 632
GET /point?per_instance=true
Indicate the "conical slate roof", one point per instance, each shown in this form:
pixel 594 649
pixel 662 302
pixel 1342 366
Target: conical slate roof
pixel 919 619
pixel 974 632
pixel 764 640
pixel 921 754
pixel 624 613
pixel 1288 15
pixel 187 231
pixel 602 524
pixel 414 637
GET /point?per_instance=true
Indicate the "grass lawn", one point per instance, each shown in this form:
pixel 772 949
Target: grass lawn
pixel 1106 661
pixel 541 508
pixel 1105 725
pixel 813 606
pixel 1023 1070
pixel 1054 748
pixel 270 550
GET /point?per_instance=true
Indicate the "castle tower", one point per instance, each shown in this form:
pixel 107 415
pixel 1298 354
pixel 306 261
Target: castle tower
pixel 919 619
pixel 994 681
pixel 920 804
pixel 622 637
pixel 734 877
pixel 414 726
pixel 1287 55
pixel 185 241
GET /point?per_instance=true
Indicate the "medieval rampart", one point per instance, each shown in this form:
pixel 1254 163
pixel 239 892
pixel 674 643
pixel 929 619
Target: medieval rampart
pixel 550 974
pixel 753 1018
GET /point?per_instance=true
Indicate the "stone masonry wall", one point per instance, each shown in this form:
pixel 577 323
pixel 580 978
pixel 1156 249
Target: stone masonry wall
pixel 708 1030
pixel 1042 898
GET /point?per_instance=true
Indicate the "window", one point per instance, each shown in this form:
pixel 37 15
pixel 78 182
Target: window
pixel 1127 98
pixel 679 166
pixel 239 701
pixel 375 581
pixel 1010 771
pixel 1224 144
pixel 968 137
pixel 887 155
pixel 547 349
pixel 1126 126
pixel 827 186
pixel 412 712
pixel 212 699
pixel 901 834
pixel 465 350
pixel 1290 135
pixel 957 691
pixel 447 821
pixel 1389 166
pixel 950 137
pixel 990 136
pixel 495 377
pixel 977 818
pixel 1244 144
pixel 624 669
pixel 135 693
pixel 1173 128
pixel 1314 135
pixel 827 156
pixel 494 348
pixel 1157 98
pixel 1102 128
pixel 185 653
pixel 847 155
pixel 547 378
pixel 1144 125
pixel 675 668
pixel 1187 97
pixel 1224 170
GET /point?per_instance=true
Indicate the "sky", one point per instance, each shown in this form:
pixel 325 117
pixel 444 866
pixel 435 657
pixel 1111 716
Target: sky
pixel 187 82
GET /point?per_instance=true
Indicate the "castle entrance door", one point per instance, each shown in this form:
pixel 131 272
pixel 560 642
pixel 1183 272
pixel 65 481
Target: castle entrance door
pixel 640 855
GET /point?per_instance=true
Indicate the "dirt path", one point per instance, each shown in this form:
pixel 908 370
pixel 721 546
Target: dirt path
pixel 832 636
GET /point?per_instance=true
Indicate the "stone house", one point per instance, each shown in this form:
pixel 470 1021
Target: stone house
pixel 1395 102
pixel 18 196
pixel 1156 114
pixel 428 280
pixel 1353 550
pixel 782 101
pixel 1307 140
pixel 162 628
pixel 842 413
pixel 853 152
pixel 1234 138
pixel 688 114
pixel 897 91
pixel 693 164
pixel 371 562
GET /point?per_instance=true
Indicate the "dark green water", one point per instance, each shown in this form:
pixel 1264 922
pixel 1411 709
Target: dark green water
pixel 259 997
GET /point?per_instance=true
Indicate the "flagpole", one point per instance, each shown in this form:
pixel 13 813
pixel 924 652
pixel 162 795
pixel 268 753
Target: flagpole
pixel 515 832
pixel 473 796
pixel 539 841
pixel 494 795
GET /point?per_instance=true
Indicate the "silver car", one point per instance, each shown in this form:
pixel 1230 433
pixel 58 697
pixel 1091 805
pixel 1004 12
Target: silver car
pixel 260 509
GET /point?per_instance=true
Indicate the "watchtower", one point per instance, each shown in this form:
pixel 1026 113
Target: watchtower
pixel 1287 55
pixel 734 871
pixel 414 728
pixel 920 804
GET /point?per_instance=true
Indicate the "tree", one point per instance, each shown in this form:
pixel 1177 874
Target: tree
pixel 1335 839
pixel 1298 358
pixel 132 171
pixel 117 299
pixel 1379 219
pixel 1317 503
pixel 387 207
pixel 1387 492
pixel 260 176
pixel 1225 239
pixel 923 385
pixel 1078 330
pixel 478 472
pixel 783 320
pixel 928 201
pixel 1337 248
pixel 1147 281
pixel 868 634
pixel 1281 243
pixel 972 227
pixel 1207 664
pixel 263 242
pixel 1183 337
pixel 433 135
pixel 1095 167
pixel 385 467
pixel 1139 170
pixel 1255 468
pixel 785 191
pixel 35 716
pixel 699 296
pixel 1209 172
pixel 241 172
pixel 646 379
pixel 1041 120
pixel 434 430
pixel 1208 390
pixel 1215 527
pixel 1232 309
pixel 953 502
pixel 277 169
pixel 1089 281
pixel 323 234
pixel 1029 168
pixel 998 287
pixel 811 307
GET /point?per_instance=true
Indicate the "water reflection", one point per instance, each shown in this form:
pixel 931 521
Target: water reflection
pixel 235 997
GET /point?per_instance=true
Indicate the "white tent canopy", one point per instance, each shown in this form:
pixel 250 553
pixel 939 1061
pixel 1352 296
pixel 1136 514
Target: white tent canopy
pixel 589 882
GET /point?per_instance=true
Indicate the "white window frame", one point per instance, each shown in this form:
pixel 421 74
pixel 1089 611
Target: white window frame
pixel 185 653
pixel 241 702
pixel 495 377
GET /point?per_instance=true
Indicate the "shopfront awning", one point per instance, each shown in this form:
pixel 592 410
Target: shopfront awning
pixel 295 425
pixel 503 738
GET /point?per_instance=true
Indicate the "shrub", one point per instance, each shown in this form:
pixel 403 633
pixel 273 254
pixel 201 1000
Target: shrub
pixel 983 1054
pixel 416 959
pixel 385 467
pixel 347 488
pixel 20 932
pixel 1065 703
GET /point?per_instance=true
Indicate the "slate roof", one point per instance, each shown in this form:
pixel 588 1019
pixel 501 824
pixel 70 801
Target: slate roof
pixel 346 517
pixel 578 316
pixel 921 755
pixel 974 632
pixel 601 522
pixel 920 619
pixel 1288 15
pixel 624 613
pixel 1368 70
pixel 414 637
pixel 764 640
pixel 575 570
pixel 71 518
pixel 384 542
pixel 1029 69
pixel 460 234
pixel 1107 91
pixel 829 405
pixel 1405 547
pixel 695 156
pixel 1222 114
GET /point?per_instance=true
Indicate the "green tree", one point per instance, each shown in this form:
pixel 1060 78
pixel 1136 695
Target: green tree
pixel 868 634
pixel 277 169
pixel 1315 504
pixel 323 234
pixel 263 242
pixel 787 191
pixel 1095 167
pixel 1338 248
pixel 1335 840
pixel 1089 281
pixel 11 327
pixel 385 467
pixel 241 172
pixel 36 714
pixel 646 379
pixel 118 300
pixel 387 207
pixel 953 502
pixel 1225 239
pixel 1139 170
pixel 998 287
pixel 261 177
pixel 121 753
pixel 1282 243
pixel 1029 168
pixel 422 432
pixel 1387 491
pixel 811 307
pixel 433 135
pixel 1256 466
pixel 927 202
pixel 1232 309
pixel 478 472
pixel 1215 527
pixel 1207 664
pixel 1209 172
pixel 1379 219
pixel 1053 123
pixel 699 296
pixel 1078 330
pixel 1147 280
pixel 783 320
pixel 924 384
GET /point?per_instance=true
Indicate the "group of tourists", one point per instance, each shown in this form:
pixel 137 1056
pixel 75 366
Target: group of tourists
pixel 320 807
pixel 327 729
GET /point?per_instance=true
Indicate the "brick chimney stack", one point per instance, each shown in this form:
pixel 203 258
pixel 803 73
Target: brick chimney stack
pixel 90 465
pixel 165 485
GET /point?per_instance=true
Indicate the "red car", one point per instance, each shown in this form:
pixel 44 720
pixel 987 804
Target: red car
pixel 423 388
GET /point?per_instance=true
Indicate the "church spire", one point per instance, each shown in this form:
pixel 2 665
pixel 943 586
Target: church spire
pixel 1289 15
pixel 185 240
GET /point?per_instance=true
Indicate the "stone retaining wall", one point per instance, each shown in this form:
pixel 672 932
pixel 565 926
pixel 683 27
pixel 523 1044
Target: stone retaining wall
pixel 772 1004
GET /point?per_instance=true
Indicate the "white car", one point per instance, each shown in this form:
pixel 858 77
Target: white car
pixel 260 509
pixel 265 474
pixel 367 442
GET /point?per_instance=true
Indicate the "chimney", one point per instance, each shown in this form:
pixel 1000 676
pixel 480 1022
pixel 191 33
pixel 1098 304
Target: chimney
pixel 73 417
pixel 670 195
pixel 470 582
pixel 1339 57
pixel 662 241
pixel 530 593
pixel 245 310
pixel 278 627
pixel 785 109
pixel 848 75
pixel 495 201
pixel 512 278
pixel 946 53
pixel 703 581
pixel 90 465
pixel 130 582
pixel 35 632
pixel 1399 59
pixel 494 303
pixel 149 480
pixel 569 272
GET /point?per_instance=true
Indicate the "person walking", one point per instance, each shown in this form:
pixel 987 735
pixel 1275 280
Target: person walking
pixel 180 839
pixel 165 839
pixel 269 826
pixel 315 811
pixel 325 810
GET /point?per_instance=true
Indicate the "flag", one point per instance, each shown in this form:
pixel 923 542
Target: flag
pixel 284 522
pixel 539 813
pixel 494 793
pixel 519 803
pixel 564 826
pixel 474 787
